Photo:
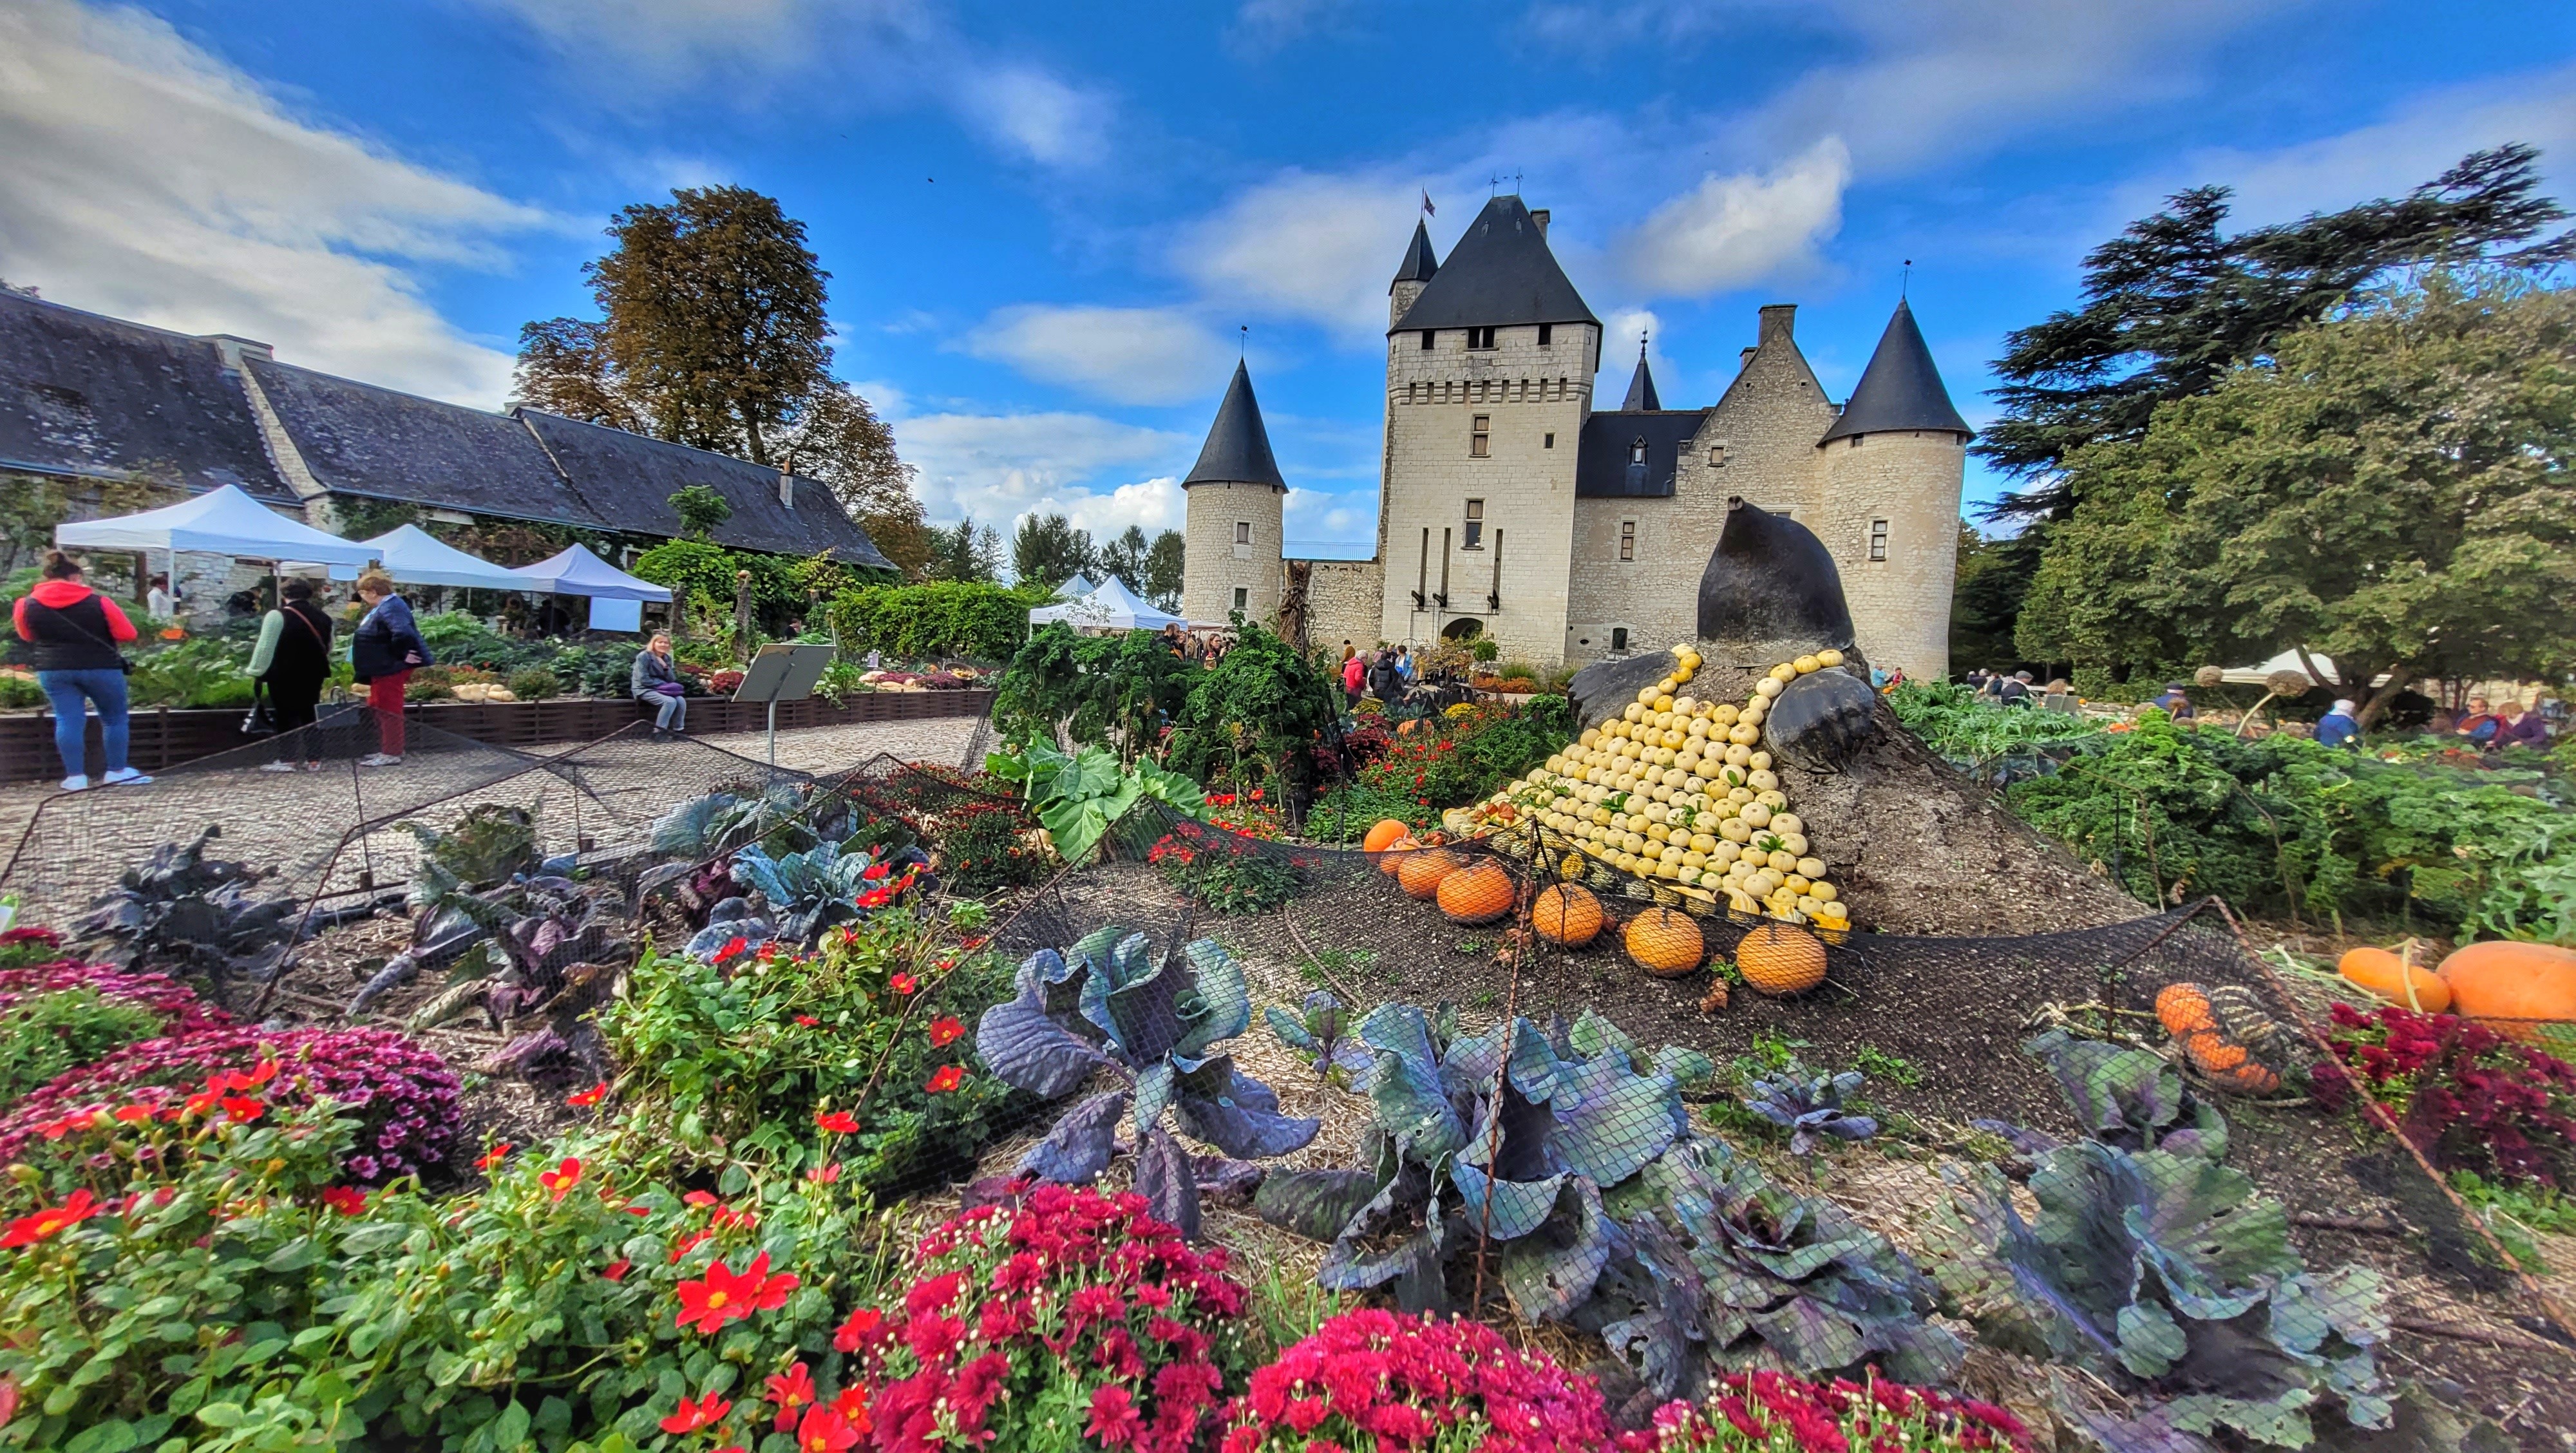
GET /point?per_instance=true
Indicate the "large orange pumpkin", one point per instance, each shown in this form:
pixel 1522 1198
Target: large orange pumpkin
pixel 1477 893
pixel 1664 943
pixel 1398 852
pixel 1421 872
pixel 2392 978
pixel 1388 832
pixel 1567 914
pixel 2504 981
pixel 2183 1009
pixel 1781 958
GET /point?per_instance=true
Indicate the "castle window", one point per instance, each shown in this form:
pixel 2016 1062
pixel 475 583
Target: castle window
pixel 1618 638
pixel 1637 450
pixel 1856 438
pixel 1426 340
pixel 1878 539
pixel 1717 456
pixel 1243 532
pixel 1551 442
pixel 1242 598
pixel 1480 437
pixel 1475 525
pixel 1480 337
pixel 1627 539
pixel 1546 332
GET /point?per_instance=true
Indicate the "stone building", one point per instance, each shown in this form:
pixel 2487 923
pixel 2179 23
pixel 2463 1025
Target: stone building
pixel 1509 507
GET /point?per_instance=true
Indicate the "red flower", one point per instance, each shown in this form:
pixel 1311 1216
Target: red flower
pixel 27 1230
pixel 825 1430
pixel 948 1078
pixel 946 1031
pixel 875 872
pixel 904 983
pixel 725 1296
pixel 1114 1419
pixel 562 1178
pixel 808 1020
pixel 584 1099
pixel 859 1330
pixel 839 1122
pixel 499 1152
pixel 824 1175
pixel 243 1107
pixel 734 948
pixel 853 1405
pixel 347 1200
pixel 134 1114
pixel 616 1270
pixel 705 1412
pixel 793 1388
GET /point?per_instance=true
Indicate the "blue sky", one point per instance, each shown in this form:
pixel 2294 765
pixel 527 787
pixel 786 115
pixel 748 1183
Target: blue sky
pixel 1047 224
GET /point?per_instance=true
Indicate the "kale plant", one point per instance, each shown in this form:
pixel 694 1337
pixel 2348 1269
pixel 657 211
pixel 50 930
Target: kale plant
pixel 1156 1021
pixel 2161 1270
pixel 1321 1031
pixel 1809 1106
pixel 821 887
pixel 184 912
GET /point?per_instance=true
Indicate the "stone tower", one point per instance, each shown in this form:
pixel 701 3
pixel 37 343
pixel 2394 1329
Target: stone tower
pixel 1888 506
pixel 1490 357
pixel 1231 544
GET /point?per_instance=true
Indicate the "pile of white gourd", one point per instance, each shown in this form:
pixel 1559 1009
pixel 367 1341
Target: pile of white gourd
pixel 1676 789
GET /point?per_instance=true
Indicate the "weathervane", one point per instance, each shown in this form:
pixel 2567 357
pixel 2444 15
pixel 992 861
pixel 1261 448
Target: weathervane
pixel 1904 279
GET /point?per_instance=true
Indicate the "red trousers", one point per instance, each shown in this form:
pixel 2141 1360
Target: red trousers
pixel 385 698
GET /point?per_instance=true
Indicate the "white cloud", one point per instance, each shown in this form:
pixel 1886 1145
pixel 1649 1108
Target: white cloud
pixel 1266 25
pixel 1124 355
pixel 1156 504
pixel 1331 525
pixel 1733 230
pixel 1001 466
pixel 1042 118
pixel 148 179
pixel 1310 245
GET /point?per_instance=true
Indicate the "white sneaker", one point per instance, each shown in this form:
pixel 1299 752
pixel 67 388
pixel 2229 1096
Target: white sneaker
pixel 122 776
pixel 379 759
pixel 77 782
pixel 279 767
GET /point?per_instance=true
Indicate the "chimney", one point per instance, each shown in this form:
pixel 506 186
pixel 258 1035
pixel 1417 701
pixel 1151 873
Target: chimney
pixel 1539 216
pixel 787 485
pixel 1779 320
pixel 1745 358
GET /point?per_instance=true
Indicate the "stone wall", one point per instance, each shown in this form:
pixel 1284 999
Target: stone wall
pixel 1343 602
pixel 1214 566
pixel 1900 605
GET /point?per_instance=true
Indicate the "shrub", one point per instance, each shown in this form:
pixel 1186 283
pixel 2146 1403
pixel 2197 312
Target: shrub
pixel 42 1035
pixel 747 1052
pixel 1224 872
pixel 535 683
pixel 1374 1379
pixel 1771 1413
pixel 985 845
pixel 2468 1097
pixel 175 1007
pixel 1071 1320
pixel 402 1093
pixel 19 691
pixel 21 947
pixel 981 622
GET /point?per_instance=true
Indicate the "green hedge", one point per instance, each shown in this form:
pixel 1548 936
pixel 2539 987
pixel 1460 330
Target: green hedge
pixel 980 622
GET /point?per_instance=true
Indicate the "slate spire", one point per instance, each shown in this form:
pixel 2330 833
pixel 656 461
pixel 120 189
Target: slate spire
pixel 1901 388
pixel 1500 274
pixel 1641 388
pixel 1238 447
pixel 1419 260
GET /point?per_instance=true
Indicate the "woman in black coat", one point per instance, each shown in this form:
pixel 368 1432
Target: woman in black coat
pixel 293 660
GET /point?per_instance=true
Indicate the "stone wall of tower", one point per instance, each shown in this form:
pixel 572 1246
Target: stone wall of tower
pixel 1910 480
pixel 1344 599
pixel 1758 443
pixel 1214 564
pixel 1534 399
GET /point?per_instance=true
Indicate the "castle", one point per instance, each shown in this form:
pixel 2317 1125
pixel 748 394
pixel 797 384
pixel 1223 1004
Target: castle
pixel 1511 509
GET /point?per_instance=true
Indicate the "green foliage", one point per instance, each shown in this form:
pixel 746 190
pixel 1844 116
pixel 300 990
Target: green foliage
pixel 701 568
pixel 1223 871
pixel 19 691
pixel 746 1054
pixel 1973 732
pixel 1254 717
pixel 986 845
pixel 974 620
pixel 1079 797
pixel 1118 691
pixel 701 509
pixel 1348 811
pixel 534 683
pixel 45 1034
pixel 200 673
pixel 1048 550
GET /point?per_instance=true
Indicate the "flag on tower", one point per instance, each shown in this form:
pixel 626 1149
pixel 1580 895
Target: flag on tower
pixel 1427 209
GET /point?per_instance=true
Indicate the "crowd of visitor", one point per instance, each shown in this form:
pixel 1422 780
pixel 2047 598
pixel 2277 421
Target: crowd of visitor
pixel 2482 725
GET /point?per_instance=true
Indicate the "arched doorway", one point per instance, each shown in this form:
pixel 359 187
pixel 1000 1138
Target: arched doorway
pixel 1465 628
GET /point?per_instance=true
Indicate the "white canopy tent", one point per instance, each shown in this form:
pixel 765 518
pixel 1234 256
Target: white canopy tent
pixel 1077 587
pixel 1111 606
pixel 221 522
pixel 616 598
pixel 2289 661
pixel 414 556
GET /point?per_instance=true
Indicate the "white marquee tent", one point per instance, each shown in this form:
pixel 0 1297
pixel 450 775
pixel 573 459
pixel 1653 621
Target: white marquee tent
pixel 220 522
pixel 414 556
pixel 2289 661
pixel 578 572
pixel 1111 606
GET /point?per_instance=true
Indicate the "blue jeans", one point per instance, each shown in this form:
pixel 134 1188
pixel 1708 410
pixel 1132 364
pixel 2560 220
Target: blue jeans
pixel 670 713
pixel 67 690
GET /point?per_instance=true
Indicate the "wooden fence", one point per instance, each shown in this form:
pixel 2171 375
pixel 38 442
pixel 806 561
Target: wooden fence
pixel 161 737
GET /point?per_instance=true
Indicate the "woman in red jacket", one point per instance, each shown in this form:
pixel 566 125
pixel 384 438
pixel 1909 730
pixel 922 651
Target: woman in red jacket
pixel 75 631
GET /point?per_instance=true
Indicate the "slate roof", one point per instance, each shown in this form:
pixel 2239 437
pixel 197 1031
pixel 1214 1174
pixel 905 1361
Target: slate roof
pixel 1238 447
pixel 1419 260
pixel 1901 388
pixel 360 439
pixel 1501 275
pixel 1604 455
pixel 98 397
pixel 1641 388
pixel 628 480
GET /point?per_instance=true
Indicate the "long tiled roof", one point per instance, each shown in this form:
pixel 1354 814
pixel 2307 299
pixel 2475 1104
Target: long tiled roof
pixel 97 397
pixel 361 439
pixel 630 479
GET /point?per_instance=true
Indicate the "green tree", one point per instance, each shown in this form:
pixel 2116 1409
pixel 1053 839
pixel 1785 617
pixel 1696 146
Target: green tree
pixel 2390 489
pixel 1050 549
pixel 2174 302
pixel 1125 557
pixel 701 510
pixel 1162 584
pixel 964 552
pixel 1994 574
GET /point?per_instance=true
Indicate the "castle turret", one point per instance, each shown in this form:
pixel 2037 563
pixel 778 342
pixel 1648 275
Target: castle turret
pixel 1231 555
pixel 1641 387
pixel 1412 275
pixel 1894 461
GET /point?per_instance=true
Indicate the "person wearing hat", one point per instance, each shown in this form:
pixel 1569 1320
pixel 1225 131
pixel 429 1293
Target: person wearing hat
pixel 2339 727
pixel 2176 704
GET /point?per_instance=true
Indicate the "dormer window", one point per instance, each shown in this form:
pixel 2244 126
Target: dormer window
pixel 1637 451
pixel 1480 338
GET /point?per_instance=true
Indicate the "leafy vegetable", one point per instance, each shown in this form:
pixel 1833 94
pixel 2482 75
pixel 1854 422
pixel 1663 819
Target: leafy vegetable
pixel 184 912
pixel 1320 1029
pixel 1809 1106
pixel 1081 795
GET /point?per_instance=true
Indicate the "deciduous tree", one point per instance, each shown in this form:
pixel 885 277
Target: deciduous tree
pixel 1163 571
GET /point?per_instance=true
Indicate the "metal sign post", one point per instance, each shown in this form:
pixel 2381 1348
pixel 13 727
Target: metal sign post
pixel 782 673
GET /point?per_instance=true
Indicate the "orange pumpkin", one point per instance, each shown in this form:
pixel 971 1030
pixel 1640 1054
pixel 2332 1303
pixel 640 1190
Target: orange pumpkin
pixel 1422 870
pixel 2504 981
pixel 2252 1077
pixel 2392 978
pixel 1781 958
pixel 1392 861
pixel 1567 914
pixel 1664 943
pixel 2212 1053
pixel 2183 1009
pixel 1477 893
pixel 1388 832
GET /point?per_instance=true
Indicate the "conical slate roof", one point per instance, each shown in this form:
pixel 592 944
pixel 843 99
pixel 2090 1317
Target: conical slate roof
pixel 1641 389
pixel 1419 260
pixel 1500 275
pixel 1901 389
pixel 1238 447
